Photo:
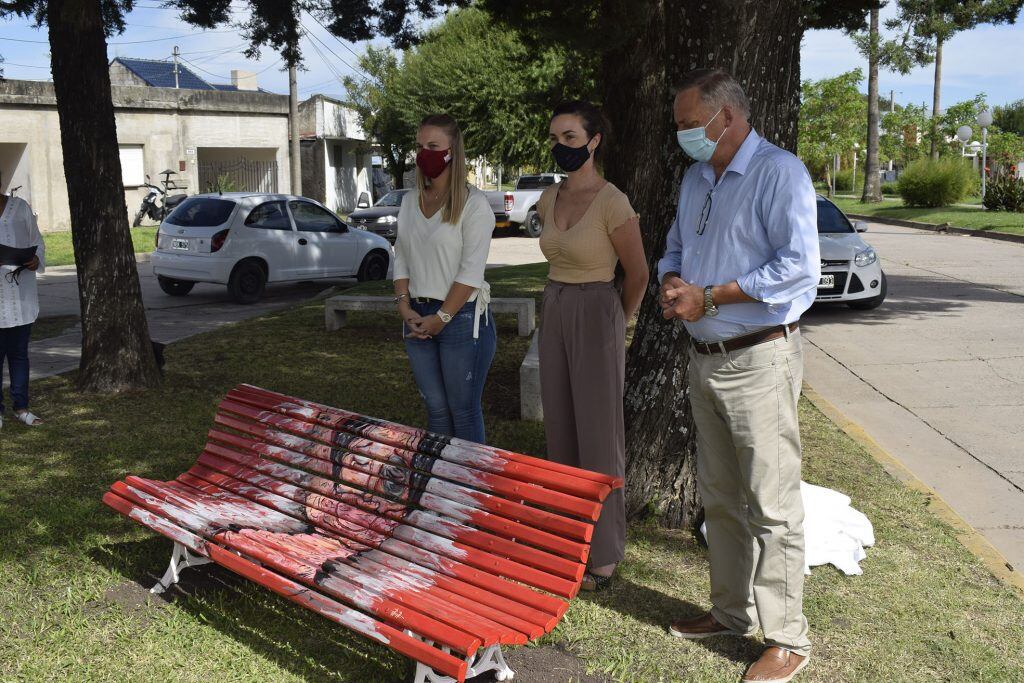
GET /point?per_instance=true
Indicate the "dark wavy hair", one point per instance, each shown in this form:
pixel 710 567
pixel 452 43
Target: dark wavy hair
pixel 594 122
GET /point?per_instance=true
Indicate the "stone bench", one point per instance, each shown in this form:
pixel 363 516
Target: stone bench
pixel 337 307
pixel 529 384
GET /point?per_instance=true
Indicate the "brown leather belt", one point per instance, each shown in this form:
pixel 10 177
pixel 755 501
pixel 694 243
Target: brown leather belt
pixel 745 341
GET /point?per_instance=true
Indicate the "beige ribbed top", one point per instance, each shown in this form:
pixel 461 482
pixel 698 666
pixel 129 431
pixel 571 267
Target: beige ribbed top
pixel 584 252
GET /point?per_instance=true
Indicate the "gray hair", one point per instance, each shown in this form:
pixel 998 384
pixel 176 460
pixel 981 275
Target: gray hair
pixel 717 89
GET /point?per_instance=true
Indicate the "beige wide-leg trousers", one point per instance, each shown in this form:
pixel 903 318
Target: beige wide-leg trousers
pixel 582 350
pixel 748 472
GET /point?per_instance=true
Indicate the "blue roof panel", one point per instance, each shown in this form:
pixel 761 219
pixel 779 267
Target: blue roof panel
pixel 160 74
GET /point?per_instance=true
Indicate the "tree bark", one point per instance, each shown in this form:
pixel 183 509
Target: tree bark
pixel 872 183
pixel 935 99
pixel 758 41
pixel 116 350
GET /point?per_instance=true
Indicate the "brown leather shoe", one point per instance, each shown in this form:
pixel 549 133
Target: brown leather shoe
pixel 703 626
pixel 776 665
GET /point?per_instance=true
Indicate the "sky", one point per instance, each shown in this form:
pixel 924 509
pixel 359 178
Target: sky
pixel 984 60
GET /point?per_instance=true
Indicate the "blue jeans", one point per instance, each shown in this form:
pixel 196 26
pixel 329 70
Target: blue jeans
pixel 450 371
pixel 14 348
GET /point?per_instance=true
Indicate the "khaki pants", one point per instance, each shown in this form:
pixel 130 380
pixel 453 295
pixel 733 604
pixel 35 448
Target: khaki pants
pixel 748 472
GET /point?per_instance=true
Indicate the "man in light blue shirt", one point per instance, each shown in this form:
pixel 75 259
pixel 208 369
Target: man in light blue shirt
pixel 741 265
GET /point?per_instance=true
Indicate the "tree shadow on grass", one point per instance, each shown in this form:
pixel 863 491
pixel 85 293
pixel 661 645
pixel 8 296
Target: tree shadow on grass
pixel 659 610
pixel 293 638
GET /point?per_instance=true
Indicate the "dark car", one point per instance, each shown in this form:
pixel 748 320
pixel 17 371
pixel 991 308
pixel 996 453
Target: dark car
pixel 382 217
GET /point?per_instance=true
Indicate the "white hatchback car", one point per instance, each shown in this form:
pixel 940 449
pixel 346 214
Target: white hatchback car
pixel 851 272
pixel 245 240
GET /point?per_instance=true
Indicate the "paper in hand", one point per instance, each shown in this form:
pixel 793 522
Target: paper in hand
pixel 10 256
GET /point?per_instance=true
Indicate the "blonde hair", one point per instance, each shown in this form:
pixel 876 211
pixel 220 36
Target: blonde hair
pixel 458 190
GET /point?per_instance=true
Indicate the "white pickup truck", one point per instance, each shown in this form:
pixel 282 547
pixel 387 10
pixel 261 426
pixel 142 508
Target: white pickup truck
pixel 521 203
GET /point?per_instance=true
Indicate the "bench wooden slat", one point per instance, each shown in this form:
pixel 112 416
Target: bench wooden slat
pixel 293 449
pixel 487 459
pixel 373 530
pixel 177 506
pixel 295 592
pixel 311 491
pixel 429 464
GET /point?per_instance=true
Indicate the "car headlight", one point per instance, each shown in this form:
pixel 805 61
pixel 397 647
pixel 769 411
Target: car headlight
pixel 866 257
pixel 389 219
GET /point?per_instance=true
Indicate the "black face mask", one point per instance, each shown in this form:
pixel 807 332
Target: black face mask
pixel 570 159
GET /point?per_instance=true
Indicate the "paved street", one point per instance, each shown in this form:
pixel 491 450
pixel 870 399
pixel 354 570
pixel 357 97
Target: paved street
pixel 936 375
pixel 205 308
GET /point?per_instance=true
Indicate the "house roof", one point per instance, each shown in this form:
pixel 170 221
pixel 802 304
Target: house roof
pixel 160 74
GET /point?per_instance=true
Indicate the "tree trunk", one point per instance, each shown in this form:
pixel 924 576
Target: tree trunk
pixel 116 350
pixel 759 42
pixel 935 99
pixel 872 183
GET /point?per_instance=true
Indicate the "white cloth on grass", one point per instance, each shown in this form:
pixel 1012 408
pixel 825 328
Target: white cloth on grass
pixel 834 532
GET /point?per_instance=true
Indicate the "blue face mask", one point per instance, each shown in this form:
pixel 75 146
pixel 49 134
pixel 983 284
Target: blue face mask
pixel 695 142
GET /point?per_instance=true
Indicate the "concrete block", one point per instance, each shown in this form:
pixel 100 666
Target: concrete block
pixel 529 384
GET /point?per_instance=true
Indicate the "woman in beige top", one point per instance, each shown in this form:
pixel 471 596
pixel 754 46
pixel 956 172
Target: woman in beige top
pixel 588 228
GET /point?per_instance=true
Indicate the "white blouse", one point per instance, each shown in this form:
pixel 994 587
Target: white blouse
pixel 433 255
pixel 19 303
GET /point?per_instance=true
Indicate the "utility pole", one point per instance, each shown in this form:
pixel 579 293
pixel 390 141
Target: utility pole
pixel 293 131
pixel 175 55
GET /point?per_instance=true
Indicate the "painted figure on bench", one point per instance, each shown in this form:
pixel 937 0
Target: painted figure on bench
pixel 588 228
pixel 740 267
pixel 444 235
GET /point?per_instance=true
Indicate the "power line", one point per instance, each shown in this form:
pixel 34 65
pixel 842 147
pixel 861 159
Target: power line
pixel 27 66
pixel 336 38
pixel 124 42
pixel 194 66
pixel 327 47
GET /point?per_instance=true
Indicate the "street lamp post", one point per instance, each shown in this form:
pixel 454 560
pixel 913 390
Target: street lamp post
pixel 984 120
pixel 963 134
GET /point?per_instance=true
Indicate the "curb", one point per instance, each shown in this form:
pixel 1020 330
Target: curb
pixel 943 228
pixel 969 537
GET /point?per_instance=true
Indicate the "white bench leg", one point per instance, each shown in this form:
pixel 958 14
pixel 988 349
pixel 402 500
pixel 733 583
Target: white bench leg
pixel 334 319
pixel 490 659
pixel 181 558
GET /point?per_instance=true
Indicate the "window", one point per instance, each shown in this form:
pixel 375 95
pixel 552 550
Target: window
pixel 393 198
pixel 201 212
pixel 311 218
pixel 535 182
pixel 269 216
pixel 133 171
pixel 831 219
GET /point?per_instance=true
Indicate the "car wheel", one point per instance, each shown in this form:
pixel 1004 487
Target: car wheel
pixel 532 225
pixel 137 221
pixel 247 282
pixel 174 287
pixel 374 267
pixel 873 302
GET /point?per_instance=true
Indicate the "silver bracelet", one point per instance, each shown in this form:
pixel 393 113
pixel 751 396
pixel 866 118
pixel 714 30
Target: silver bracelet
pixel 399 298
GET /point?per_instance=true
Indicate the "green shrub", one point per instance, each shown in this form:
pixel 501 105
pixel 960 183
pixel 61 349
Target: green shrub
pixel 936 183
pixel 845 179
pixel 891 188
pixel 1004 193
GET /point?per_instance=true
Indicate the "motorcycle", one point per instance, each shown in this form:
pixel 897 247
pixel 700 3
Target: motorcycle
pixel 157 204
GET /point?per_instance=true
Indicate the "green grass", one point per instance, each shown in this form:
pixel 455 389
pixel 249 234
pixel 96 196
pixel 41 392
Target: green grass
pixel 970 217
pixel 59 251
pixel 73 574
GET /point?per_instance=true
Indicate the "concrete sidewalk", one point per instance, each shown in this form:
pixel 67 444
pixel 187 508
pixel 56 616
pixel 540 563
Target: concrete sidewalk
pixel 936 375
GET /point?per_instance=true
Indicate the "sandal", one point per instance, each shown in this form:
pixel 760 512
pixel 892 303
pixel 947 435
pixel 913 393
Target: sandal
pixel 593 582
pixel 29 419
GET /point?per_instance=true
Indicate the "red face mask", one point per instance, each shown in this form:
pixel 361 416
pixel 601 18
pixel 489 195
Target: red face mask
pixel 432 162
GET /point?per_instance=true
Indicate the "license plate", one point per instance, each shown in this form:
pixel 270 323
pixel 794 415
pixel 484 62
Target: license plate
pixel 179 244
pixel 827 282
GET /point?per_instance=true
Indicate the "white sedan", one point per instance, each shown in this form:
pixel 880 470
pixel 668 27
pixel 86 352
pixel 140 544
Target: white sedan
pixel 850 270
pixel 245 240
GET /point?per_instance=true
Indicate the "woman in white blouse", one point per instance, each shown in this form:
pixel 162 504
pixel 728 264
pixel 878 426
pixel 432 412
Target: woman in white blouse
pixel 19 302
pixel 444 235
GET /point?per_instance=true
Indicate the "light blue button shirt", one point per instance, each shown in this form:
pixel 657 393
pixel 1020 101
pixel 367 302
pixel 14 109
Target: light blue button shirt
pixel 761 231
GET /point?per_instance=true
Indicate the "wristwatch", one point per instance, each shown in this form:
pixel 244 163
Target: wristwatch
pixel 445 318
pixel 710 309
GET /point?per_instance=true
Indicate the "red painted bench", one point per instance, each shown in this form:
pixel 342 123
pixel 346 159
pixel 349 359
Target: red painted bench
pixel 441 549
